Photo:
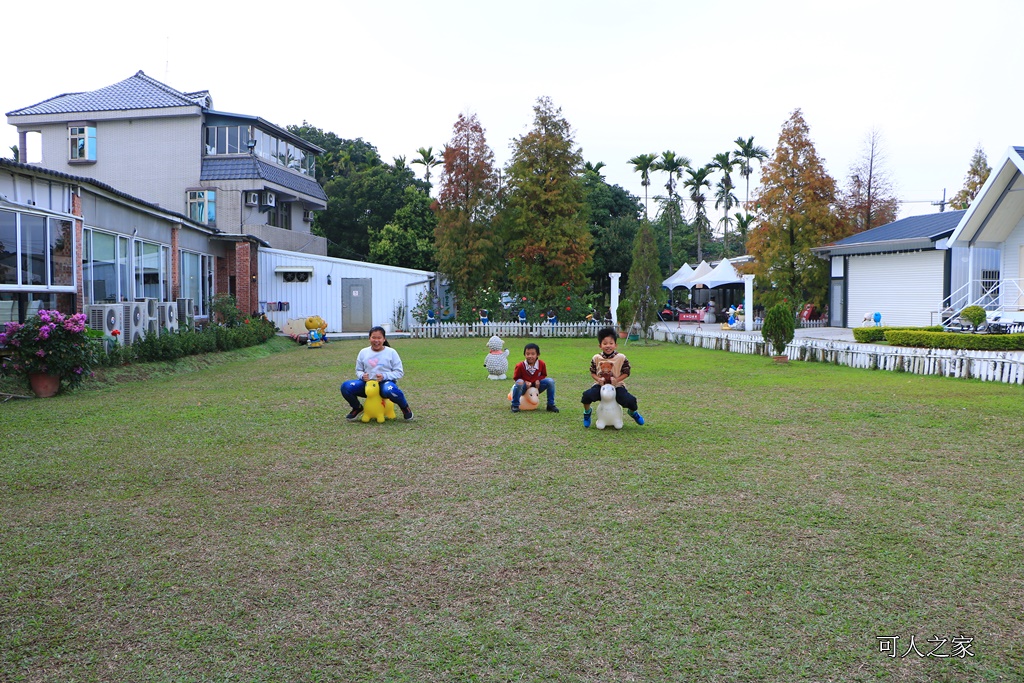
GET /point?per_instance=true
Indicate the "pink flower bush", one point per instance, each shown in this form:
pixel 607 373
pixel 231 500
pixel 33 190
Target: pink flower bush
pixel 49 343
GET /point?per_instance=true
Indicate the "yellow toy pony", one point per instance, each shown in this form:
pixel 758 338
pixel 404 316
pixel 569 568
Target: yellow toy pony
pixel 374 407
pixel 317 327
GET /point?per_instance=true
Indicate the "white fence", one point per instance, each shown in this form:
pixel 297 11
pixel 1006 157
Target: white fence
pixel 989 366
pixel 508 329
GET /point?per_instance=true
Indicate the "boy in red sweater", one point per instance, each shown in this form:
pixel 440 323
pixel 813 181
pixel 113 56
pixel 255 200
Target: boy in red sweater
pixel 532 373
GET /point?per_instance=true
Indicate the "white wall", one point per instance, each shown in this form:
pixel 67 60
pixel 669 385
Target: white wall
pixel 905 288
pixel 316 297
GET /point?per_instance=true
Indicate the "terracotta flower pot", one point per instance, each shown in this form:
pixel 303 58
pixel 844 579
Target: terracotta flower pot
pixel 44 385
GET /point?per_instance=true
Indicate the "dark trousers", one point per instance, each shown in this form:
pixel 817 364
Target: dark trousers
pixel 622 397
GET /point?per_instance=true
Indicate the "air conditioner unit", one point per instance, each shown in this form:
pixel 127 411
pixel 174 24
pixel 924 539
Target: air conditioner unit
pixel 151 308
pixel 168 316
pixel 269 199
pixel 107 318
pixel 135 320
pixel 307 216
pixel 252 198
pixel 186 314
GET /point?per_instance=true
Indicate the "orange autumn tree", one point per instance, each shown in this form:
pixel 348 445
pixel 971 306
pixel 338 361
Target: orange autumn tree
pixel 795 213
pixel 469 249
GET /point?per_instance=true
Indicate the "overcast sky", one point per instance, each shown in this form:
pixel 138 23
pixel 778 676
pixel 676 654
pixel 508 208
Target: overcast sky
pixel 936 77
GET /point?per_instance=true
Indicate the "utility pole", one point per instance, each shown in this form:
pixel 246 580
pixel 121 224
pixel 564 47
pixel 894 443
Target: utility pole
pixel 942 204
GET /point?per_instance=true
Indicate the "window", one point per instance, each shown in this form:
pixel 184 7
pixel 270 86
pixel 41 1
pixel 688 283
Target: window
pixel 151 276
pixel 197 280
pixel 280 216
pixel 990 284
pixel 227 140
pixel 202 206
pixel 82 143
pixel 105 268
pixel 36 252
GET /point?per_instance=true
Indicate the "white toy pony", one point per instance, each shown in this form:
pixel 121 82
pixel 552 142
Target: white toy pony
pixel 609 413
pixel 496 361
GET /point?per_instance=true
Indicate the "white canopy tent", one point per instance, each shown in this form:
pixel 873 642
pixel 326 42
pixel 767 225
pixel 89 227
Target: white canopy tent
pixel 723 274
pixel 679 278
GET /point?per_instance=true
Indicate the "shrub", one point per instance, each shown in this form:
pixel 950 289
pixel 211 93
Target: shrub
pixel 975 315
pixel 955 340
pixel 779 327
pixel 50 343
pixel 867 335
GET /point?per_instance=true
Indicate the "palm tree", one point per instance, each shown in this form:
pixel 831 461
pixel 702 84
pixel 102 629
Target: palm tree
pixel 726 199
pixel 744 221
pixel 674 166
pixel 696 183
pixel 594 168
pixel 745 154
pixel 644 164
pixel 428 160
pixel 400 162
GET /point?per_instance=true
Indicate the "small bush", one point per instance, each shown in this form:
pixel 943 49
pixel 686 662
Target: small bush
pixel 779 328
pixel 975 315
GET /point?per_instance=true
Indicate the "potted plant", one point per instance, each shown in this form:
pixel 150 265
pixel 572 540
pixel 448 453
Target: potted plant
pixel 778 330
pixel 624 314
pixel 50 350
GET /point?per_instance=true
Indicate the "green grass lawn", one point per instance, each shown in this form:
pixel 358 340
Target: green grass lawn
pixel 769 523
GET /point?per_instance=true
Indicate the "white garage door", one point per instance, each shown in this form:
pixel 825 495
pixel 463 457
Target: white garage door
pixel 905 288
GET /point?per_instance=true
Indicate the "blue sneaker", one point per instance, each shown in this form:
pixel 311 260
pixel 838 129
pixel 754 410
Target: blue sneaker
pixel 637 416
pixel 586 418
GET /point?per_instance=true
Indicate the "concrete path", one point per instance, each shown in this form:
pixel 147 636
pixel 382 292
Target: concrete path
pixel 829 333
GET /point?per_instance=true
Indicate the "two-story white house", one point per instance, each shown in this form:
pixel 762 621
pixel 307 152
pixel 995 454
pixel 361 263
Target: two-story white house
pixel 239 174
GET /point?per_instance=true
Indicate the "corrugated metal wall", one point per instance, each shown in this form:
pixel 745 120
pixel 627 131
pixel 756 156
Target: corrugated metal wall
pixel 316 297
pixel 905 288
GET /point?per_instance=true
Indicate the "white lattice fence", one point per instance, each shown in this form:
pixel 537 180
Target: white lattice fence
pixel 989 366
pixel 503 330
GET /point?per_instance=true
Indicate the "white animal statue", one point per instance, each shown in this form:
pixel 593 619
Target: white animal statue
pixel 609 413
pixel 496 361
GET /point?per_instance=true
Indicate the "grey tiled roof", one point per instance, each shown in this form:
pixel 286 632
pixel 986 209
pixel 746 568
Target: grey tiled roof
pixel 241 167
pixel 138 92
pixel 932 226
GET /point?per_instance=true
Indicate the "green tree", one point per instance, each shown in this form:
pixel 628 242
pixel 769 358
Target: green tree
pixel 744 221
pixel 977 174
pixel 674 166
pixel 869 199
pixel 360 200
pixel 644 164
pixel 613 216
pixel 796 214
pixel 724 163
pixel 470 251
pixel 699 180
pixel 408 239
pixel 428 160
pixel 746 153
pixel 644 286
pixel 549 246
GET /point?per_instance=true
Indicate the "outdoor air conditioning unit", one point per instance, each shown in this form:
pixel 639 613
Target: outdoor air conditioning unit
pixel 307 216
pixel 168 316
pixel 135 320
pixel 269 199
pixel 107 318
pixel 151 307
pixel 252 198
pixel 186 313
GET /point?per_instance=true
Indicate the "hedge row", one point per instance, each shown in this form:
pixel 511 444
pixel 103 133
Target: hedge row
pixel 170 346
pixel 956 340
pixel 867 335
